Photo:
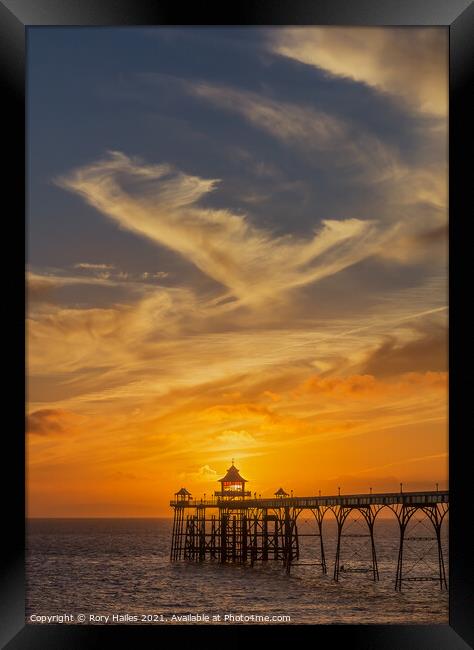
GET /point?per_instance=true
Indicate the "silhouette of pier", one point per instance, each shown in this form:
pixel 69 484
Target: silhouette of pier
pixel 236 527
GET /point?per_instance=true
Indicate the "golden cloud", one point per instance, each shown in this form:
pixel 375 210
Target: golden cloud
pixel 250 262
pixel 409 64
pixel 368 387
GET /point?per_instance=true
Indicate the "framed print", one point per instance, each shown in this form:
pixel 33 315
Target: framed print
pixel 245 402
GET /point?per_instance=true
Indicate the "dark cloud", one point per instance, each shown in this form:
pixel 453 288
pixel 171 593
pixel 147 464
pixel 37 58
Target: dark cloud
pixel 428 353
pixel 437 235
pixel 47 421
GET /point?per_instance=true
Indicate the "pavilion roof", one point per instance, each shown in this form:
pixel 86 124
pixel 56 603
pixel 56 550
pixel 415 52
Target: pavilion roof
pixel 233 475
pixel 183 492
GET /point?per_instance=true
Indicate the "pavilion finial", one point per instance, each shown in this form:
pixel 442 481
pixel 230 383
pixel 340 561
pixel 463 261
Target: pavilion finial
pixel 232 461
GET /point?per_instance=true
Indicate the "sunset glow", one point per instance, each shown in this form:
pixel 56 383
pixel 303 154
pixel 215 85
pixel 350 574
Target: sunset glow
pixel 237 249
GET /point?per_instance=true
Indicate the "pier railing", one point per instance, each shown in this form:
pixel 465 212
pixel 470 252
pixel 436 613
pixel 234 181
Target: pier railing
pixel 249 530
pixel 386 498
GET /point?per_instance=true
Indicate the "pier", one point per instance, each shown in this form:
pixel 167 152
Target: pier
pixel 236 526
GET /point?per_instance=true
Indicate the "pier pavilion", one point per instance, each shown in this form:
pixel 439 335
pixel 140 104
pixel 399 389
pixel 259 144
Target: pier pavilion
pixel 235 527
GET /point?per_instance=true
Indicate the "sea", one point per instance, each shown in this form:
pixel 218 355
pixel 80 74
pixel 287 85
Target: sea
pixel 117 571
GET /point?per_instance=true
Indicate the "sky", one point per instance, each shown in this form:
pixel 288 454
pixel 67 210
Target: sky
pixel 237 248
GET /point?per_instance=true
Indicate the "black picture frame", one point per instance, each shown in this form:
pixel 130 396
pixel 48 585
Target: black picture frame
pixel 458 15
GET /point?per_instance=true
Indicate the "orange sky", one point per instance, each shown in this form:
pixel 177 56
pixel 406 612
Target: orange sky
pixel 315 360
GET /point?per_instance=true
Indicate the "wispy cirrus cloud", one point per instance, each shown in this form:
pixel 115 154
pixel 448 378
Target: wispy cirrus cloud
pixel 169 340
pixel 408 64
pixel 412 195
pixel 162 204
pixel 43 284
pixel 94 266
pixel 347 148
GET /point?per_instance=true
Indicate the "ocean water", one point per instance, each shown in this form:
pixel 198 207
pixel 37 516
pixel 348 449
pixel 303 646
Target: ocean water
pixel 105 567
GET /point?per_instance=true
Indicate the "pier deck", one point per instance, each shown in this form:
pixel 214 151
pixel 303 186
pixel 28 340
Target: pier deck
pixel 242 529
